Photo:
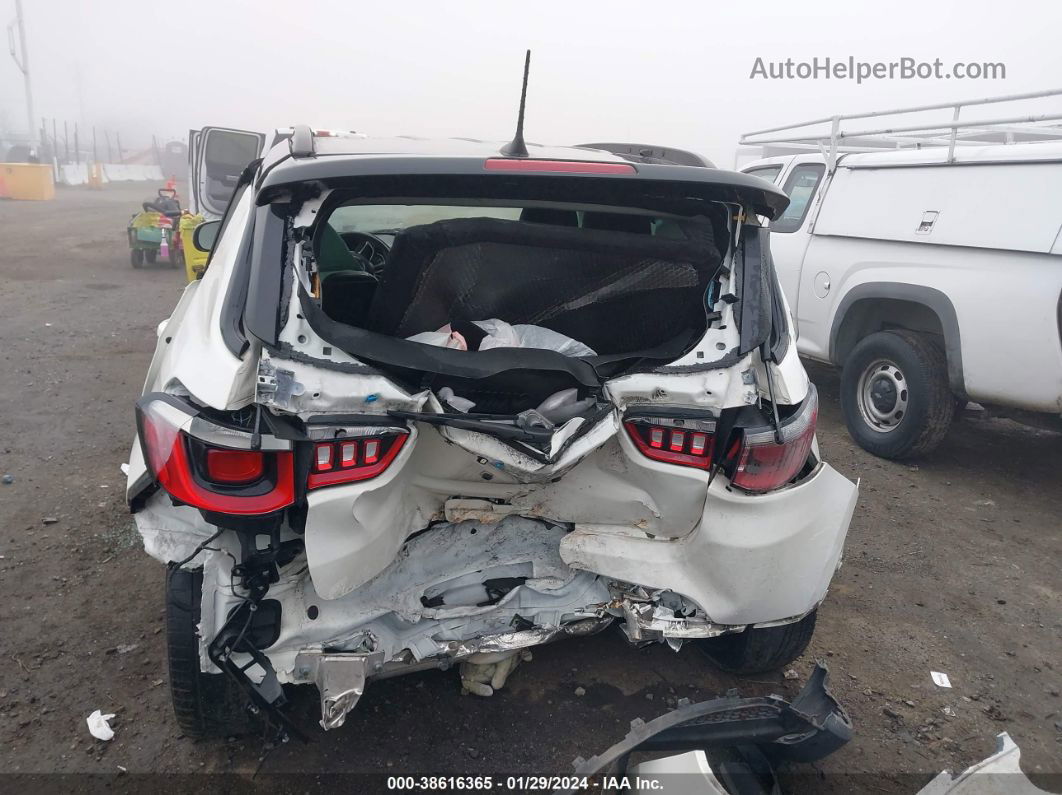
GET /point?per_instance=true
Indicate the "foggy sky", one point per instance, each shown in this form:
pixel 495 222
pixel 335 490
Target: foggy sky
pixel 674 73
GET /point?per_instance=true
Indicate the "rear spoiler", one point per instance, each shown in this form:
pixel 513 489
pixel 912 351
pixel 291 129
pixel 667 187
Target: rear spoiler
pixel 651 153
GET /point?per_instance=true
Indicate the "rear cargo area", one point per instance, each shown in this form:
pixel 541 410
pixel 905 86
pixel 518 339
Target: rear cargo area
pixel 616 292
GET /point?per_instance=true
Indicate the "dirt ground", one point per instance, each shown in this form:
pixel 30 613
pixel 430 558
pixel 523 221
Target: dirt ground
pixel 951 565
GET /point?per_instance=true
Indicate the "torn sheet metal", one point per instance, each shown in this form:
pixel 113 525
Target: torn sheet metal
pixel 340 679
pixel 649 621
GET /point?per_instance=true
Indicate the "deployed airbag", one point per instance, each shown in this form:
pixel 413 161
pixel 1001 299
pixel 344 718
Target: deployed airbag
pixel 494 333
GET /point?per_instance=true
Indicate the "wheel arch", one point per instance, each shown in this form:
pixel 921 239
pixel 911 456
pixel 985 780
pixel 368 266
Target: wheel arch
pixel 878 306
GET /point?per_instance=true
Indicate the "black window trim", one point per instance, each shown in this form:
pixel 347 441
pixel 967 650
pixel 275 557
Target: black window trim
pixel 231 319
pixel 821 169
pixel 775 167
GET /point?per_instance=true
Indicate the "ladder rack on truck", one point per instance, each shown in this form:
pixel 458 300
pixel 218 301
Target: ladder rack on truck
pixel 953 133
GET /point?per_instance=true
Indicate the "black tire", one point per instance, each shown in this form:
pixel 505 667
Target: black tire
pixel 908 366
pixel 151 256
pixel 757 651
pixel 206 705
pixel 136 257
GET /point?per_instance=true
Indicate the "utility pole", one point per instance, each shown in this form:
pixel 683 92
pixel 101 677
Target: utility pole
pixel 21 59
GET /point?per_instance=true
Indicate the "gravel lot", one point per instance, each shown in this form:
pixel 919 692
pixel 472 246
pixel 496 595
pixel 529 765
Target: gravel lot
pixel 951 565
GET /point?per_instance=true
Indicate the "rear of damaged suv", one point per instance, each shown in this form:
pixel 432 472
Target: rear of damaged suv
pixel 426 408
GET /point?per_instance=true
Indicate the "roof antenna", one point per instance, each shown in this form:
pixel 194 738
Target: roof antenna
pixel 516 147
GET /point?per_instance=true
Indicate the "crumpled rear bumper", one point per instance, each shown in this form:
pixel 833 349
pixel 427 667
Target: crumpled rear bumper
pixel 752 559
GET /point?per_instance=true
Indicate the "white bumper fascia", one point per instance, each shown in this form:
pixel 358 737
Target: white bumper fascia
pixel 752 559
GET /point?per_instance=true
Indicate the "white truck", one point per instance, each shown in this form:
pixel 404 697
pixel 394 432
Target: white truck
pixel 930 272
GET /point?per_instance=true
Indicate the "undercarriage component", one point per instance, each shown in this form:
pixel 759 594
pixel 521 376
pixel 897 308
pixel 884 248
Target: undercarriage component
pixel 340 679
pixel 813 726
pixel 265 695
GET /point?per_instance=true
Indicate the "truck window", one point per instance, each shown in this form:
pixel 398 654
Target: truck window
pixel 800 186
pixel 769 173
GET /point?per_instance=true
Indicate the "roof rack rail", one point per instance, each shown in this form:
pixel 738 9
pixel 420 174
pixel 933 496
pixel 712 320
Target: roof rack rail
pixel 302 143
pixel 652 153
pixel 1006 129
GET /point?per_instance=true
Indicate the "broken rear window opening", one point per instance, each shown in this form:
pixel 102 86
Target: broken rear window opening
pixel 503 290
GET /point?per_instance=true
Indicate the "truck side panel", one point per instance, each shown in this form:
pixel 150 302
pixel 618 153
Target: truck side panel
pixel 1006 304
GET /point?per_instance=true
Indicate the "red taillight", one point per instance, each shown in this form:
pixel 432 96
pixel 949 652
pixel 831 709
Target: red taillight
pixel 671 445
pixel 211 476
pixel 234 467
pixel 759 463
pixel 558 166
pixel 350 460
pixel 763 464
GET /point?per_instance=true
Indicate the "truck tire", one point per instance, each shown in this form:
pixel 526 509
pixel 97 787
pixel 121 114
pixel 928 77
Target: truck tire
pixel 761 649
pixel 206 705
pixel 895 395
pixel 136 257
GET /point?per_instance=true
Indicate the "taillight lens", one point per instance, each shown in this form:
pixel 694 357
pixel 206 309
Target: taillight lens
pixel 234 467
pixel 763 464
pixel 759 463
pixel 350 459
pixel 210 476
pixel 665 439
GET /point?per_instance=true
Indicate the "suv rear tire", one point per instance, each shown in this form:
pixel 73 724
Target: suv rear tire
pixel 760 649
pixel 895 395
pixel 206 705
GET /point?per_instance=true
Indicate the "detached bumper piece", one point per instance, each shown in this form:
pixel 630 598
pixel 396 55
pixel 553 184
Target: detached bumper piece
pixel 742 739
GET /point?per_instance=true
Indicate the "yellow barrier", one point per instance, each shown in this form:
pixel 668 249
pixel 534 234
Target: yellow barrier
pixel 95 176
pixel 27 181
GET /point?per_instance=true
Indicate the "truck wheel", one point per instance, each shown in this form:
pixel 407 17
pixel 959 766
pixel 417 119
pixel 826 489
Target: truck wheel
pixel 136 257
pixel 895 395
pixel 206 705
pixel 758 650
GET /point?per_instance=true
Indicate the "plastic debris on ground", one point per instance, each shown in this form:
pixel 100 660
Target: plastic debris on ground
pixel 99 727
pixel 939 679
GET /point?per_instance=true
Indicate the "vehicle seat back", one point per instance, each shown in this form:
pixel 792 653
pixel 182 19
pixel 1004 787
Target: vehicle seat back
pixel 613 291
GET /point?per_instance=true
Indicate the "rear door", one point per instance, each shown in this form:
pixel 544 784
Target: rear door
pixel 216 158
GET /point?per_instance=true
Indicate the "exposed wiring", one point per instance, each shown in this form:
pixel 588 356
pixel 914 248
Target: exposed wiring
pixel 199 548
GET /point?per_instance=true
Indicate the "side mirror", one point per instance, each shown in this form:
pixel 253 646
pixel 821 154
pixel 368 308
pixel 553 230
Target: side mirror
pixel 206 235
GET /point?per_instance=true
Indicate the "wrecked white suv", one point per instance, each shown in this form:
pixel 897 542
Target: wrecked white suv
pixel 433 402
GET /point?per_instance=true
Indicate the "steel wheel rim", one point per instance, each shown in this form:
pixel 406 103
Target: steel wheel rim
pixel 882 396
